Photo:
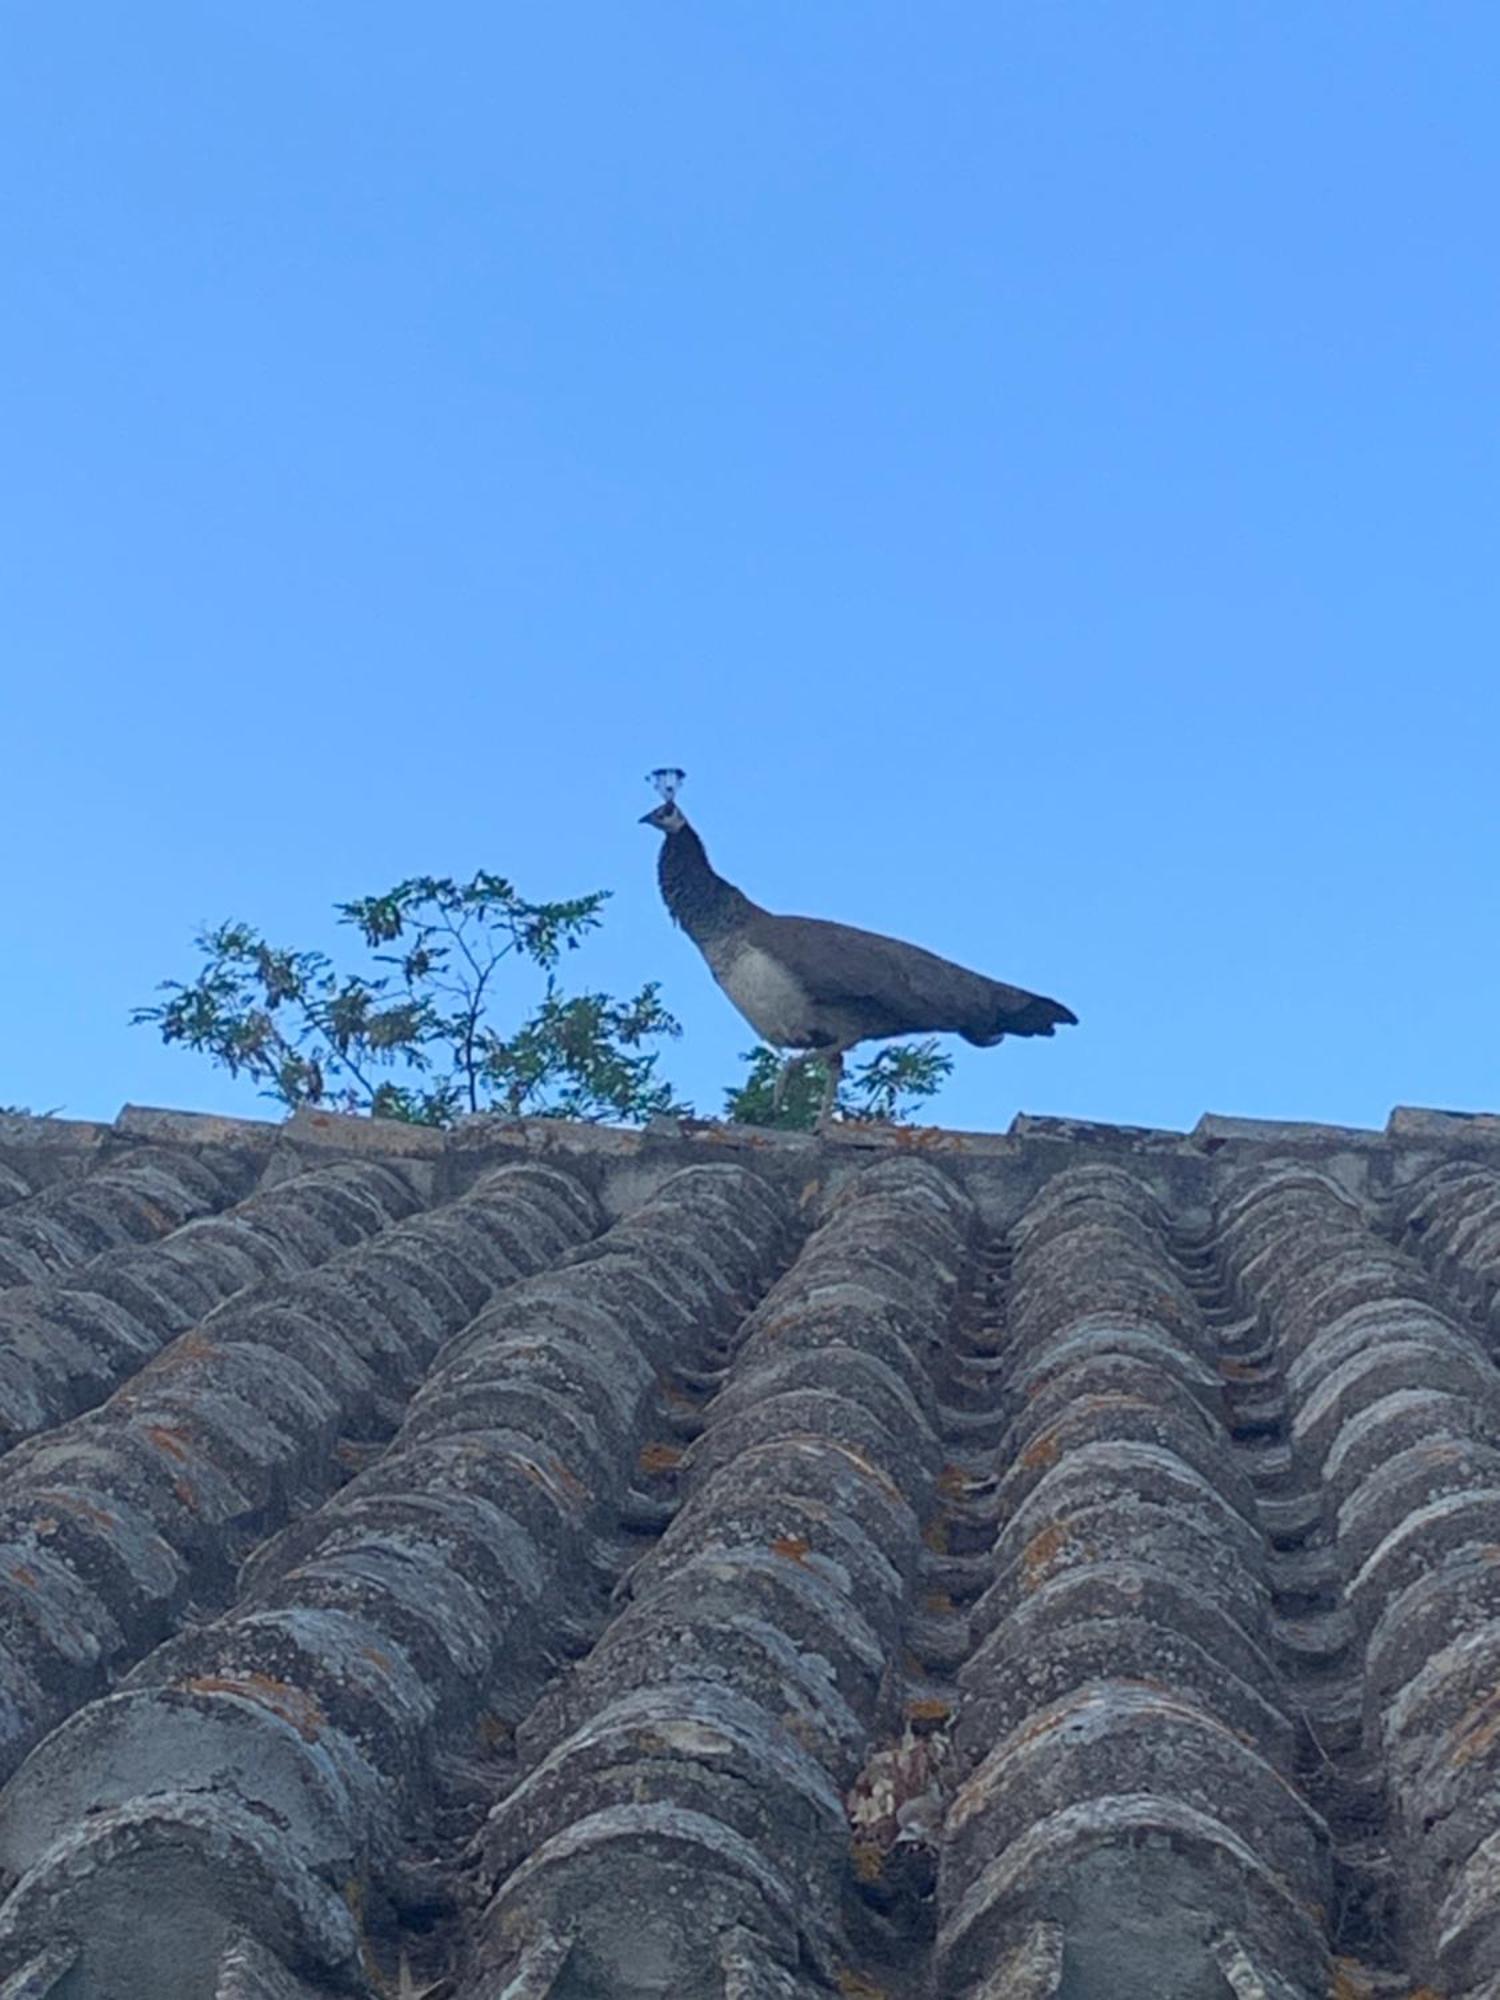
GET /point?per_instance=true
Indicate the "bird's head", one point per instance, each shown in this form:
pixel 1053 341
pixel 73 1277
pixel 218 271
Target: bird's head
pixel 667 817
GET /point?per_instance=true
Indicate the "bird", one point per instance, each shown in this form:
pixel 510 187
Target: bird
pixel 819 988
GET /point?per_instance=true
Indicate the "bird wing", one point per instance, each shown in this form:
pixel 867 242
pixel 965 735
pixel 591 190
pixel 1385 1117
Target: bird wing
pixel 902 987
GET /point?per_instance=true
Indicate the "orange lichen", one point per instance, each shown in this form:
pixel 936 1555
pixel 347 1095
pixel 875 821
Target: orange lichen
pixel 868 1858
pixel 724 1135
pixel 656 1459
pixel 1240 1371
pixel 1040 1726
pixel 931 1708
pixel 376 1658
pixel 795 1548
pixel 854 1986
pixel 883 1480
pixel 937 1534
pixel 1043 1450
pixel 954 1481
pixel 168 1438
pixel 25 1575
pixel 1350 1981
pixel 1475 1732
pixel 567 1479
pixel 191 1347
pixel 925 1139
pixel 493 1731
pixel 1037 1557
pixel 803 1730
pixel 186 1492
pixel 553 1477
pixel 74 1503
pixel 1114 1399
pixel 293 1704
pixel 939 1603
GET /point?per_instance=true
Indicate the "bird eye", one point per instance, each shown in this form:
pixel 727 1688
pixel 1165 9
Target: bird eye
pixel 666 780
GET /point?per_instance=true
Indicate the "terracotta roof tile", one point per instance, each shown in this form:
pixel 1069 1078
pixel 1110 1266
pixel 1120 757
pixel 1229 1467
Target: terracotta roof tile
pixel 553 1564
pixel 131 1200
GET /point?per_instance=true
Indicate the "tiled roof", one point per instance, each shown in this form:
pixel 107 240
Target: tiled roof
pixel 542 1563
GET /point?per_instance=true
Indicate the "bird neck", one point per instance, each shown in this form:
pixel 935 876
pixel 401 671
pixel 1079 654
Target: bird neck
pixel 702 902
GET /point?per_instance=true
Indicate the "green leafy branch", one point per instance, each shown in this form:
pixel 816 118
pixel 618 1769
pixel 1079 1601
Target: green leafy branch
pixel 411 1036
pixel 888 1087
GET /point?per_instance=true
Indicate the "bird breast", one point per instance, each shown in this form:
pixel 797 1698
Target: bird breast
pixel 771 1000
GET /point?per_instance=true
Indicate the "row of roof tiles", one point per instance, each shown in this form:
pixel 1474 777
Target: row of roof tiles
pixel 1128 1806
pixel 1093 1614
pixel 29 1145
pixel 75 1327
pixel 432 1589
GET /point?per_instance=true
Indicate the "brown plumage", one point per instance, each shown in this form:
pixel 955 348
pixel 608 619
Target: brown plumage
pixel 811 986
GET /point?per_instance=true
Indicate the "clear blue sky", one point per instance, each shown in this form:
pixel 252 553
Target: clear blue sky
pixel 1034 465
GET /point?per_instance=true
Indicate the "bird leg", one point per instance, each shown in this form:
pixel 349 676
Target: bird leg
pixel 783 1077
pixel 833 1063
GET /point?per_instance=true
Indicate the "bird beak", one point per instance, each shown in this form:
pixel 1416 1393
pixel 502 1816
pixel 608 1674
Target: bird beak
pixel 648 819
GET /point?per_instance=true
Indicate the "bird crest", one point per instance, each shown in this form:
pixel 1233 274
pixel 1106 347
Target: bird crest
pixel 666 780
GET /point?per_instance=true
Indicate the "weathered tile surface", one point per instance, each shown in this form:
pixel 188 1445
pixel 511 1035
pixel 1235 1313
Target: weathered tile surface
pixel 554 1564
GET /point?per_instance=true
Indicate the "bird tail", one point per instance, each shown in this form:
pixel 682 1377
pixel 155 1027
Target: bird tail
pixel 1016 1012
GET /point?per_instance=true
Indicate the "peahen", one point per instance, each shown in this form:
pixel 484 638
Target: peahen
pixel 819 988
